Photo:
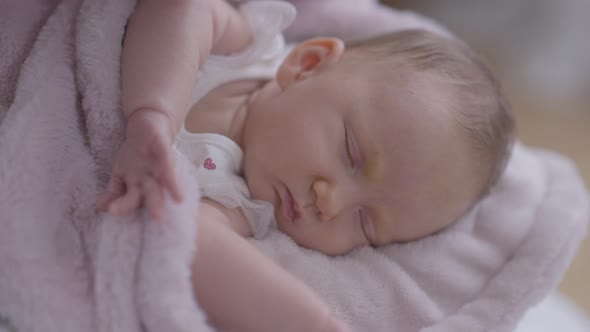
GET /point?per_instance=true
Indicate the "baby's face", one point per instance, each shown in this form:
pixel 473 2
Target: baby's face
pixel 354 157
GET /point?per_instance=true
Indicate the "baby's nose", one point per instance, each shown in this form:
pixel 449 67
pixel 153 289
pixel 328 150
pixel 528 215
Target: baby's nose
pixel 329 199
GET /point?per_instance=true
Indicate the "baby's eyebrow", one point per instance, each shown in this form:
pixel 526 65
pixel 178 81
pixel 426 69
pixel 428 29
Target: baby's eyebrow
pixel 372 171
pixel 372 167
pixel 369 151
pixel 371 156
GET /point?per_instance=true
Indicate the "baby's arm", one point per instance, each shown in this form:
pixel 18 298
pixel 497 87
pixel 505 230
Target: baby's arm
pixel 166 43
pixel 243 290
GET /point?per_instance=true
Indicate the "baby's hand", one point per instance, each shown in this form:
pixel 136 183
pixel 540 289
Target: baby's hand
pixel 143 167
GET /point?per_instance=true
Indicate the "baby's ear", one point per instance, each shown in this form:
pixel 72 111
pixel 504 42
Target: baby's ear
pixel 308 58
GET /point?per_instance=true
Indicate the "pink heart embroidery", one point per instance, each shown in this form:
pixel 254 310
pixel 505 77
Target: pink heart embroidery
pixel 209 164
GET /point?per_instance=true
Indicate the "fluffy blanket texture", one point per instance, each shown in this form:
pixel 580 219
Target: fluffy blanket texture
pixel 63 267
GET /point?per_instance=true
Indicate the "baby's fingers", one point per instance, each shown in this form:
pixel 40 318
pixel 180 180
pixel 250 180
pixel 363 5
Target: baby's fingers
pixel 170 180
pixel 126 204
pixel 154 198
pixel 115 188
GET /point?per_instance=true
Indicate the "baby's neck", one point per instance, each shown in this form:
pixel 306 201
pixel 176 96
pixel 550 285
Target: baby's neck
pixel 224 110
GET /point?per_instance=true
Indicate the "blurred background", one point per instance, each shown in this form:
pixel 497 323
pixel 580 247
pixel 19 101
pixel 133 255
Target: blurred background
pixel 541 52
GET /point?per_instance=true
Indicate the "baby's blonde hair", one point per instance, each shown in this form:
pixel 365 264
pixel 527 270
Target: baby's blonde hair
pixel 481 109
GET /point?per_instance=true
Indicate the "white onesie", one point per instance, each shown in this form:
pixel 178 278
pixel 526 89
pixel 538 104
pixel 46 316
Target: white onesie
pixel 218 159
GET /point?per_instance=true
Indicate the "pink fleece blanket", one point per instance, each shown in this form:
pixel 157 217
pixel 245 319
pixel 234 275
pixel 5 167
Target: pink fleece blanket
pixel 65 268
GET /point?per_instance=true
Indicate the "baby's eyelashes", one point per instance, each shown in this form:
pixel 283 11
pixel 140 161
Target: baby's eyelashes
pixel 348 147
pixel 365 223
pixel 352 149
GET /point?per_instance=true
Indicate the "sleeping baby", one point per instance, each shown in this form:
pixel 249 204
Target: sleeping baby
pixel 338 145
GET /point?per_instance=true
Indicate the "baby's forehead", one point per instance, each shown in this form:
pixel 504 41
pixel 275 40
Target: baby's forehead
pixel 402 82
pixel 411 99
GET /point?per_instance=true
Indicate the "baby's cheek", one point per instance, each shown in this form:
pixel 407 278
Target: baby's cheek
pixel 338 240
